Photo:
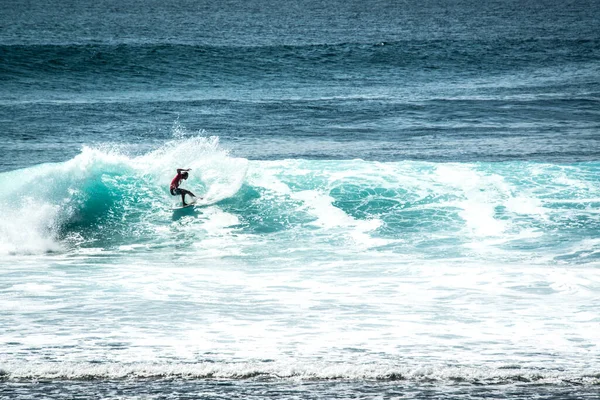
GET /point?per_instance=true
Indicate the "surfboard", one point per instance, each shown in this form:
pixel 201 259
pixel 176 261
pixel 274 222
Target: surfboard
pixel 196 202
pixel 182 207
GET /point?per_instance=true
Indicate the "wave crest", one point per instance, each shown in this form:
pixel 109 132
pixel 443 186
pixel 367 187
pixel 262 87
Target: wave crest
pixel 44 207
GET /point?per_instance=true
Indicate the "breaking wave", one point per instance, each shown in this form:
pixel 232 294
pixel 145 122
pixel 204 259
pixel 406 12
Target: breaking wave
pixel 105 198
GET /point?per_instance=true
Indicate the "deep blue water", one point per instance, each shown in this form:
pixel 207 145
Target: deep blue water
pixel 437 81
pixel 400 199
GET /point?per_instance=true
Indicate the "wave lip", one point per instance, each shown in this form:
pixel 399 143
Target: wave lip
pixel 104 192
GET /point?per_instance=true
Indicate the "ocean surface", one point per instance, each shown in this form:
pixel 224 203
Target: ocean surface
pixel 401 199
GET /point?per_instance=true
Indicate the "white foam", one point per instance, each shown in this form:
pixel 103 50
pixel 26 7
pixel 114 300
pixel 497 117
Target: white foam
pixel 204 296
pixel 297 370
pixel 211 166
pixel 33 288
pixel 36 202
pixel 27 227
pixel 481 193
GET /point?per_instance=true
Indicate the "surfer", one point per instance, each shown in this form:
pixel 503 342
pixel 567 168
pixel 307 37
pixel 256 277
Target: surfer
pixel 175 189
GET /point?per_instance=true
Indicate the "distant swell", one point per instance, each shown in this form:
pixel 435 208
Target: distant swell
pixel 164 62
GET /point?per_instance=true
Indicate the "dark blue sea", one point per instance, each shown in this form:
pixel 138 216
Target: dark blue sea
pixel 400 199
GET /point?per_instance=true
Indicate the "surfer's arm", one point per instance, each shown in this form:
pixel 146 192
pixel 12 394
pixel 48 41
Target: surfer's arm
pixel 180 170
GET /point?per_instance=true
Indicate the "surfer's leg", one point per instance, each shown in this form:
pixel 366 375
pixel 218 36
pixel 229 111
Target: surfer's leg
pixel 188 192
pixel 193 195
pixel 183 193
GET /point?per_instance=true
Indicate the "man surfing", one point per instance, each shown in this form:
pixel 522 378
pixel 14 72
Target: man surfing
pixel 176 190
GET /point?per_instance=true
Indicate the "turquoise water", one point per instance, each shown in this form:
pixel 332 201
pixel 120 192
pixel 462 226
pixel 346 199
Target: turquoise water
pixel 105 199
pixel 103 196
pixel 356 270
pixel 400 200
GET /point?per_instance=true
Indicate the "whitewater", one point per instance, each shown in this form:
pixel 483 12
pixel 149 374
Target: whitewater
pixel 300 270
pixel 401 200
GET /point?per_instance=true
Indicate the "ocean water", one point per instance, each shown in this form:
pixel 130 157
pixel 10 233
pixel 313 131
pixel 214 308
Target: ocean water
pixel 401 199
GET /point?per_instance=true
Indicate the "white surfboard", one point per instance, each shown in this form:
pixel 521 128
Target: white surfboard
pixel 182 207
pixel 190 204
